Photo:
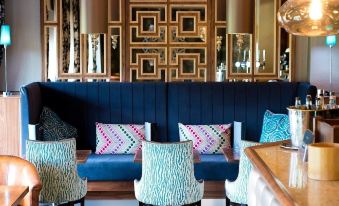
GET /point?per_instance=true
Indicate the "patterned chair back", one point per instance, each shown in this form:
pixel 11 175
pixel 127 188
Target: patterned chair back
pixel 56 164
pixel 168 175
pixel 237 191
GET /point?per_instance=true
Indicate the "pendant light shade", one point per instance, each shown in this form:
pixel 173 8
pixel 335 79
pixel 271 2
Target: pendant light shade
pixel 240 16
pixel 310 17
pixel 93 16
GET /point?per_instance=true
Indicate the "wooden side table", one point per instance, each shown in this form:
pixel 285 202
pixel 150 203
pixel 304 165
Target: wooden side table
pixel 82 156
pixel 231 155
pixel 10 125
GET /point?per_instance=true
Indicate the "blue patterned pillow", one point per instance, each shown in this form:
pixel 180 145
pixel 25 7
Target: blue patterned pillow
pixel 52 128
pixel 276 127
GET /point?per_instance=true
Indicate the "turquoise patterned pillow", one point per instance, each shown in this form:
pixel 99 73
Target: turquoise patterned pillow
pixel 52 128
pixel 276 127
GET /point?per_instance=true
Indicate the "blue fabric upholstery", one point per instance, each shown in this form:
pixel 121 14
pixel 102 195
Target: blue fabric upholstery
pixel 31 107
pixel 110 167
pixel 222 103
pixel 236 190
pixel 83 104
pixel 214 167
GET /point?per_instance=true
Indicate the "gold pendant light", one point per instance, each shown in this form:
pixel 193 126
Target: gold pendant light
pixel 93 16
pixel 240 16
pixel 310 17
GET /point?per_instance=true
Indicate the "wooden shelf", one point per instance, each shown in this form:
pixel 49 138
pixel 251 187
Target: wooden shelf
pixel 10 125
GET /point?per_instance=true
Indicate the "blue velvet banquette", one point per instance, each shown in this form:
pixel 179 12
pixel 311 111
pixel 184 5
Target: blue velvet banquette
pixel 83 104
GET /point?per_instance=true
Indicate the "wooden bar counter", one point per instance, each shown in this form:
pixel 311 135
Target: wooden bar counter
pixel 284 175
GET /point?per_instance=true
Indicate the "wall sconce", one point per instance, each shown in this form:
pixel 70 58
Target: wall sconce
pixel 260 63
pixel 114 39
pixel 151 62
pixel 151 27
pixel 245 64
pixel 219 43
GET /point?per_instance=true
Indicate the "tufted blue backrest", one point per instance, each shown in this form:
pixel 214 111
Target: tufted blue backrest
pixel 83 104
pixel 221 103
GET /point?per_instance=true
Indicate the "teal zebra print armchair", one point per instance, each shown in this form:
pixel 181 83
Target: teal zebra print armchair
pixel 57 168
pixel 168 175
pixel 236 191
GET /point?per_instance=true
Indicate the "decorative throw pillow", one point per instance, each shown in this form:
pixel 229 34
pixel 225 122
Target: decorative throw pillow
pixel 119 138
pixel 276 127
pixel 207 139
pixel 52 128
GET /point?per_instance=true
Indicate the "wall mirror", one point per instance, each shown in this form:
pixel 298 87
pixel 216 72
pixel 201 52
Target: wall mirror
pixel 273 45
pixel 240 55
pixel 265 38
pixel 71 56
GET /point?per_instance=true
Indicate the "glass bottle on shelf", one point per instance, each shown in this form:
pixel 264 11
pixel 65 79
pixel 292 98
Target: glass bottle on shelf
pixel 221 73
pixel 320 95
pixel 333 100
pixel 308 102
pixel 318 103
pixel 297 102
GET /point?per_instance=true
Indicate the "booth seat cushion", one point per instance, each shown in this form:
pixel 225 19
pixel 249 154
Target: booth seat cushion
pixel 214 167
pixel 110 168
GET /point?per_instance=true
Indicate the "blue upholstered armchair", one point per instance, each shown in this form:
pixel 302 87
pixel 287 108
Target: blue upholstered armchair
pixel 237 191
pixel 56 165
pixel 168 175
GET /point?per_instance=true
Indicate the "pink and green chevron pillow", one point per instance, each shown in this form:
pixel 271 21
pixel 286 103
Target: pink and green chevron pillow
pixel 207 139
pixel 119 138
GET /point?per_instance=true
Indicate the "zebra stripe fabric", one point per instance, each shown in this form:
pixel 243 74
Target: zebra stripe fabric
pixel 56 164
pixel 168 175
pixel 237 191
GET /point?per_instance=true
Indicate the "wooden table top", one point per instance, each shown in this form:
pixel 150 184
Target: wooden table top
pixel 82 155
pixel 287 176
pixel 138 156
pixel 231 155
pixel 12 195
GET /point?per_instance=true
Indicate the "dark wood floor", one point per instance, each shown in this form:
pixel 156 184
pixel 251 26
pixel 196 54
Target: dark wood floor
pixel 124 190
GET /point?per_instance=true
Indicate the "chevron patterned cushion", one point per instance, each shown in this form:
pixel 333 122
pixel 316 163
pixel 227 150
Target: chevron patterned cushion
pixel 119 138
pixel 207 139
pixel 276 127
